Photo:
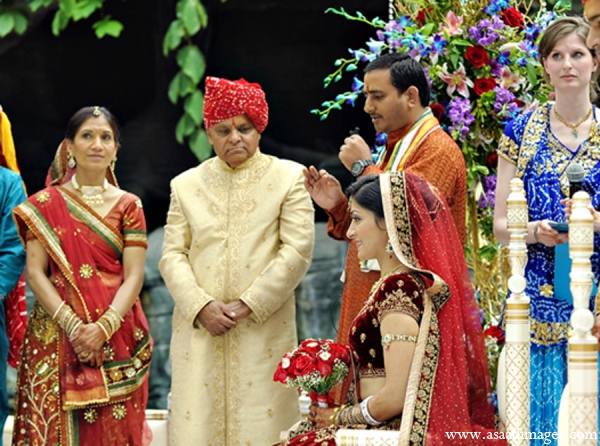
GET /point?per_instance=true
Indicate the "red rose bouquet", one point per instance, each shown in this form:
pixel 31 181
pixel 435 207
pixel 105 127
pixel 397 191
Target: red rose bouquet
pixel 315 366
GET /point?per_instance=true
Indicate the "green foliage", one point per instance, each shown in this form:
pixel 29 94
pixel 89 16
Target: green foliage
pixel 76 10
pixel 106 26
pixel 191 18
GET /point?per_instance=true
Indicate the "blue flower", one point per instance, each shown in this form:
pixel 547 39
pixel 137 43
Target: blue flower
pixel 357 85
pixel 375 46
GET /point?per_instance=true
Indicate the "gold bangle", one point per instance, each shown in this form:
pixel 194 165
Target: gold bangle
pixel 104 330
pixel 58 310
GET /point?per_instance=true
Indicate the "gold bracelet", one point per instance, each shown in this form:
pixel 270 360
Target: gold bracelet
pixel 104 330
pixel 110 322
pixel 58 310
pixel 68 320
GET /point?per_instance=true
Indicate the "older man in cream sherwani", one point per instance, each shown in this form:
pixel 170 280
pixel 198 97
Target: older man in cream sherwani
pixel 238 240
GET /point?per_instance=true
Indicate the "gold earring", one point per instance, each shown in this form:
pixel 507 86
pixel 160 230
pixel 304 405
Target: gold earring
pixel 71 161
pixel 389 248
pixel 113 162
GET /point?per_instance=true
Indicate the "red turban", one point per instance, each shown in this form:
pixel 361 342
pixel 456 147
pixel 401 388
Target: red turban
pixel 224 99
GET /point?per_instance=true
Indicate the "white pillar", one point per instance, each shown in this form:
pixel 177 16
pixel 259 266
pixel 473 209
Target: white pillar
pixel 583 347
pixel 517 319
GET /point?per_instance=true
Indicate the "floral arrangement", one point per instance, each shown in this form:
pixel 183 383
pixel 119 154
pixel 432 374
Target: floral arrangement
pixel 315 367
pixel 481 61
pixel 494 343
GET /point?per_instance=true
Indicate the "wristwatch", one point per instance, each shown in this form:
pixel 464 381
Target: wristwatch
pixel 358 166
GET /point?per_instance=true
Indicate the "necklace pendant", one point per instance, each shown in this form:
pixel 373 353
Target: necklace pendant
pixel 575 133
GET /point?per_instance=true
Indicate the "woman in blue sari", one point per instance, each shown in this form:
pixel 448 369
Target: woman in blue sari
pixel 538 147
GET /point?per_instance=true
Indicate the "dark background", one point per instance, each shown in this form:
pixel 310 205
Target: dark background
pixel 287 46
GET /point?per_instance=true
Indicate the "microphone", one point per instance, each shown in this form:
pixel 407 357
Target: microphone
pixel 356 131
pixel 575 176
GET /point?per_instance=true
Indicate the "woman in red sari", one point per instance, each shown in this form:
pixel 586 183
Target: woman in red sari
pixel 420 359
pixel 85 359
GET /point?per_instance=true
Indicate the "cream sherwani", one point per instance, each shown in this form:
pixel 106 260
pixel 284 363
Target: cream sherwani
pixel 244 233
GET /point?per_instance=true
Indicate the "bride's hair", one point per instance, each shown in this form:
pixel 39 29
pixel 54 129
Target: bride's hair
pixel 366 191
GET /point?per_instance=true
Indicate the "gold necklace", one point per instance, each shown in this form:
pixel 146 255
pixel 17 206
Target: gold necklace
pixel 573 127
pixel 91 195
pixel 376 285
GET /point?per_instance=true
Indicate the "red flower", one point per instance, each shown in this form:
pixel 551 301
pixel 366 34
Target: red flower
pixel 492 160
pixel 477 55
pixel 340 352
pixel 421 17
pixel 310 346
pixel 324 367
pixel 495 332
pixel 280 375
pixel 438 111
pixel 519 103
pixel 303 364
pixel 512 17
pixel 484 85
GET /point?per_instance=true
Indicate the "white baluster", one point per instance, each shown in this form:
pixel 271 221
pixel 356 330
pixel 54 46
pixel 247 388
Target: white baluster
pixel 517 319
pixel 583 347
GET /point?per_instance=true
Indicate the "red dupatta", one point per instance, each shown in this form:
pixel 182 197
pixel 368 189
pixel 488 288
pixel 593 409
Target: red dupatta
pixel 82 246
pixel 449 384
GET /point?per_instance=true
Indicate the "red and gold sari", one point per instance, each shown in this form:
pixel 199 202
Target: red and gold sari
pixel 59 400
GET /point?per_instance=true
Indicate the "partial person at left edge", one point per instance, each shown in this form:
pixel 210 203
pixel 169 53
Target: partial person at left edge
pixel 12 254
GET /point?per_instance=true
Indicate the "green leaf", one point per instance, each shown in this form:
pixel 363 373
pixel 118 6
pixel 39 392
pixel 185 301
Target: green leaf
pixel 59 22
pixel 186 86
pixel 488 252
pixel 37 4
pixel 532 75
pixel 454 59
pixel 86 8
pixel 7 23
pixel 460 42
pixel 184 128
pixel 173 36
pixel 203 15
pixel 193 106
pixel 109 27
pixel 174 89
pixel 21 22
pixel 200 145
pixel 428 29
pixel 194 64
pixel 190 17
pixel 67 6
pixel 179 8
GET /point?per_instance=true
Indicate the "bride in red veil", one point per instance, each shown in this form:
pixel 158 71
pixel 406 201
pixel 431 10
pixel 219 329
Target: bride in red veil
pixel 446 395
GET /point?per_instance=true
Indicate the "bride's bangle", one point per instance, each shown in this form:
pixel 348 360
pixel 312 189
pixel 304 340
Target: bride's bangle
pixel 364 408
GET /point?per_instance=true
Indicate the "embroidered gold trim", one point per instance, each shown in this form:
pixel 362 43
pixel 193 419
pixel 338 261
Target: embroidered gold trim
pixel 86 271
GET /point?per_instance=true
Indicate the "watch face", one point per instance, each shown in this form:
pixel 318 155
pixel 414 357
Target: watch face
pixel 357 168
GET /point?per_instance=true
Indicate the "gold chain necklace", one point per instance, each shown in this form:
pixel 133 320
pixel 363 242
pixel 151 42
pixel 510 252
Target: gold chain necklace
pixel 573 127
pixel 91 195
